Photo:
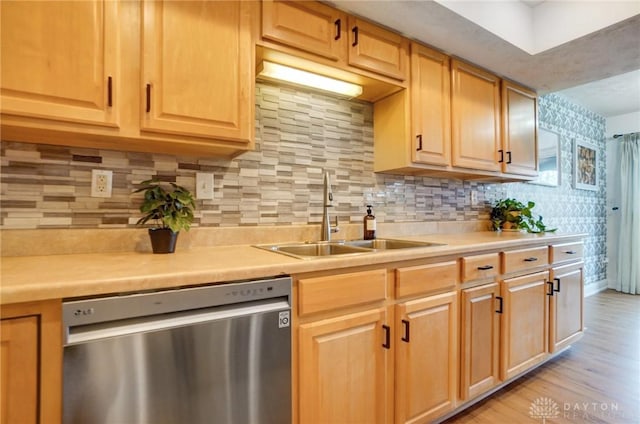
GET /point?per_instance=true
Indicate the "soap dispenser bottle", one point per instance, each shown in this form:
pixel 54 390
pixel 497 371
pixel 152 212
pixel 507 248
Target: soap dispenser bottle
pixel 369 225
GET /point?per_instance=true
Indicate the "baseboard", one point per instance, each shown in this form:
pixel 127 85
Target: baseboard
pixel 596 287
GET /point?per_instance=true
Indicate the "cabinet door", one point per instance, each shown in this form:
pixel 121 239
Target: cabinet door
pixel 480 343
pixel 344 369
pixel 426 358
pixel 59 60
pixel 377 50
pixel 520 142
pixel 309 26
pixel 475 117
pixel 566 306
pixel 524 323
pixel 19 394
pixel 197 67
pixel 430 106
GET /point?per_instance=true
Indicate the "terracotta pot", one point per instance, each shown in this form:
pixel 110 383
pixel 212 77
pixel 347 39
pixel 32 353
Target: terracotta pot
pixel 163 240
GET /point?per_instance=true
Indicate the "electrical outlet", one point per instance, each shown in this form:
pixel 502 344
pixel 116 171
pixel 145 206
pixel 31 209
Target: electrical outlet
pixel 474 198
pixel 101 182
pixel 204 186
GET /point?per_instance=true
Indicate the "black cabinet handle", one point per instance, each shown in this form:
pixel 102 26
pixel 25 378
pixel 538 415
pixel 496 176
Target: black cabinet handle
pixel 509 156
pixel 499 299
pixel 485 267
pixel 550 292
pixel 419 137
pixel 407 330
pixel 148 109
pixel 338 24
pixel 501 156
pixel 558 289
pixel 387 337
pixel 355 36
pixel 109 91
pixel 570 252
pixel 530 259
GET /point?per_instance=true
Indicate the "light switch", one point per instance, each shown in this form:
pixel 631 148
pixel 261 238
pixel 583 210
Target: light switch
pixel 204 186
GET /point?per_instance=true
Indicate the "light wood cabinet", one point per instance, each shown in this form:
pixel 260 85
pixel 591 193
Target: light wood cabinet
pixel 153 76
pixel 378 50
pixel 475 117
pixel 524 323
pixel 426 358
pixel 343 371
pixel 196 69
pixel 31 369
pixel 519 153
pixel 430 106
pixel 60 60
pixel 349 43
pixel 306 25
pixel 566 309
pixel 480 340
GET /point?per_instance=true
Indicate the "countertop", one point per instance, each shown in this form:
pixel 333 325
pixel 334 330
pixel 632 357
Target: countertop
pixel 33 278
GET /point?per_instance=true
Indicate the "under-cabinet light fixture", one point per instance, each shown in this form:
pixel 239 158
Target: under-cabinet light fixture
pixel 270 70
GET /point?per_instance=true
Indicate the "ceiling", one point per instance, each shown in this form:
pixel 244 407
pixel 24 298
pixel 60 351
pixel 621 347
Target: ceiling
pixel 551 46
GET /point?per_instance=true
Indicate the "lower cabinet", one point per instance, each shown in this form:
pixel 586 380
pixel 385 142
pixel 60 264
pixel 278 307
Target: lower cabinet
pixel 344 369
pixel 524 323
pixel 31 371
pixel 566 311
pixel 426 358
pixel 480 340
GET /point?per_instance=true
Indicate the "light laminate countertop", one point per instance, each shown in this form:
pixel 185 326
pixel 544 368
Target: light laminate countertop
pixel 33 278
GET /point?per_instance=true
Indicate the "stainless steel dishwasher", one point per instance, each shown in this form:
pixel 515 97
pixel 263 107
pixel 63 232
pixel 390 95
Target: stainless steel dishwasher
pixel 212 354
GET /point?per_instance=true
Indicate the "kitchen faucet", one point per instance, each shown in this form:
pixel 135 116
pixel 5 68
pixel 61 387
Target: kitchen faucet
pixel 327 228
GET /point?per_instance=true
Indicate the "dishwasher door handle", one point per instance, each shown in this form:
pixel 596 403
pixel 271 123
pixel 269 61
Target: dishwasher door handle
pixel 92 332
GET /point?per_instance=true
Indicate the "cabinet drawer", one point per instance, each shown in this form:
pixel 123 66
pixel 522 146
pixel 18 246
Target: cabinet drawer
pixel 425 278
pixel 338 291
pixel 518 260
pixel 480 266
pixel 565 252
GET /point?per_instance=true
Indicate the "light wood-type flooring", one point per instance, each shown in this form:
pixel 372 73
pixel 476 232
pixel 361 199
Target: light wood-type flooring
pixel 596 381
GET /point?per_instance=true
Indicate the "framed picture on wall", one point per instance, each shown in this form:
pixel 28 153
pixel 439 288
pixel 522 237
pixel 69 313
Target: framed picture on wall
pixel 585 165
pixel 548 158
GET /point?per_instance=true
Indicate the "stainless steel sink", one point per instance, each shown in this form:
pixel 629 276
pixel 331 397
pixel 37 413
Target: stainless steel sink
pixel 385 244
pixel 312 250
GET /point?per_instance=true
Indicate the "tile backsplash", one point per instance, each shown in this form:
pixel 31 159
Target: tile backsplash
pixel 298 135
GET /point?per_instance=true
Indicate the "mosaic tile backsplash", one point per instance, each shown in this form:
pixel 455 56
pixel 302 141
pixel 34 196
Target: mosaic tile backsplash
pixel 298 135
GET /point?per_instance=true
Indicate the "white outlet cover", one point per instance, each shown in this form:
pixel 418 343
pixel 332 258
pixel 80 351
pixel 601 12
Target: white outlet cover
pixel 204 186
pixel 101 183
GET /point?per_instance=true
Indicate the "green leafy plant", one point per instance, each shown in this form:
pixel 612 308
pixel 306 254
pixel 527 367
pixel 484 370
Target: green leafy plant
pixel 513 214
pixel 169 208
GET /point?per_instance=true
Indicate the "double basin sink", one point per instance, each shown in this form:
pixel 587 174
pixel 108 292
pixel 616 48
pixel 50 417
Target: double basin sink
pixel 311 250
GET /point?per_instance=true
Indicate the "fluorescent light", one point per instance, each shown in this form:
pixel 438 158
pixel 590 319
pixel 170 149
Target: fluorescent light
pixel 276 71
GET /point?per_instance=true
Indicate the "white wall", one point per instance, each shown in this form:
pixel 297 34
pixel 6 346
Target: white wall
pixel 623 124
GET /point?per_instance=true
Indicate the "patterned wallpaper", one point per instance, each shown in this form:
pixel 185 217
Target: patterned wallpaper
pixel 298 135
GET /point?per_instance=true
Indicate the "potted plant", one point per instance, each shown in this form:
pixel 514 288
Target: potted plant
pixel 513 215
pixel 170 208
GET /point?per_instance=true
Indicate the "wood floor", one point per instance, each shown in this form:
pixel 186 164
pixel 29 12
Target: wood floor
pixel 596 381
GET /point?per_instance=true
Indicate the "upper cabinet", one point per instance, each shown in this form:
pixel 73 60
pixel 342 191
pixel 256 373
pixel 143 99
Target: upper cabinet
pixel 333 38
pixel 178 80
pixel 60 60
pixel 378 50
pixel 430 106
pixel 519 152
pixel 196 69
pixel 309 26
pixel 475 112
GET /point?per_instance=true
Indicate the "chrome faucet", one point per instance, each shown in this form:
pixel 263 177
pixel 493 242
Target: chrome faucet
pixel 327 228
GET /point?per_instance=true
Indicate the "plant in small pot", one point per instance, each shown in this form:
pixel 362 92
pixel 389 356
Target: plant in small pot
pixel 170 208
pixel 513 215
